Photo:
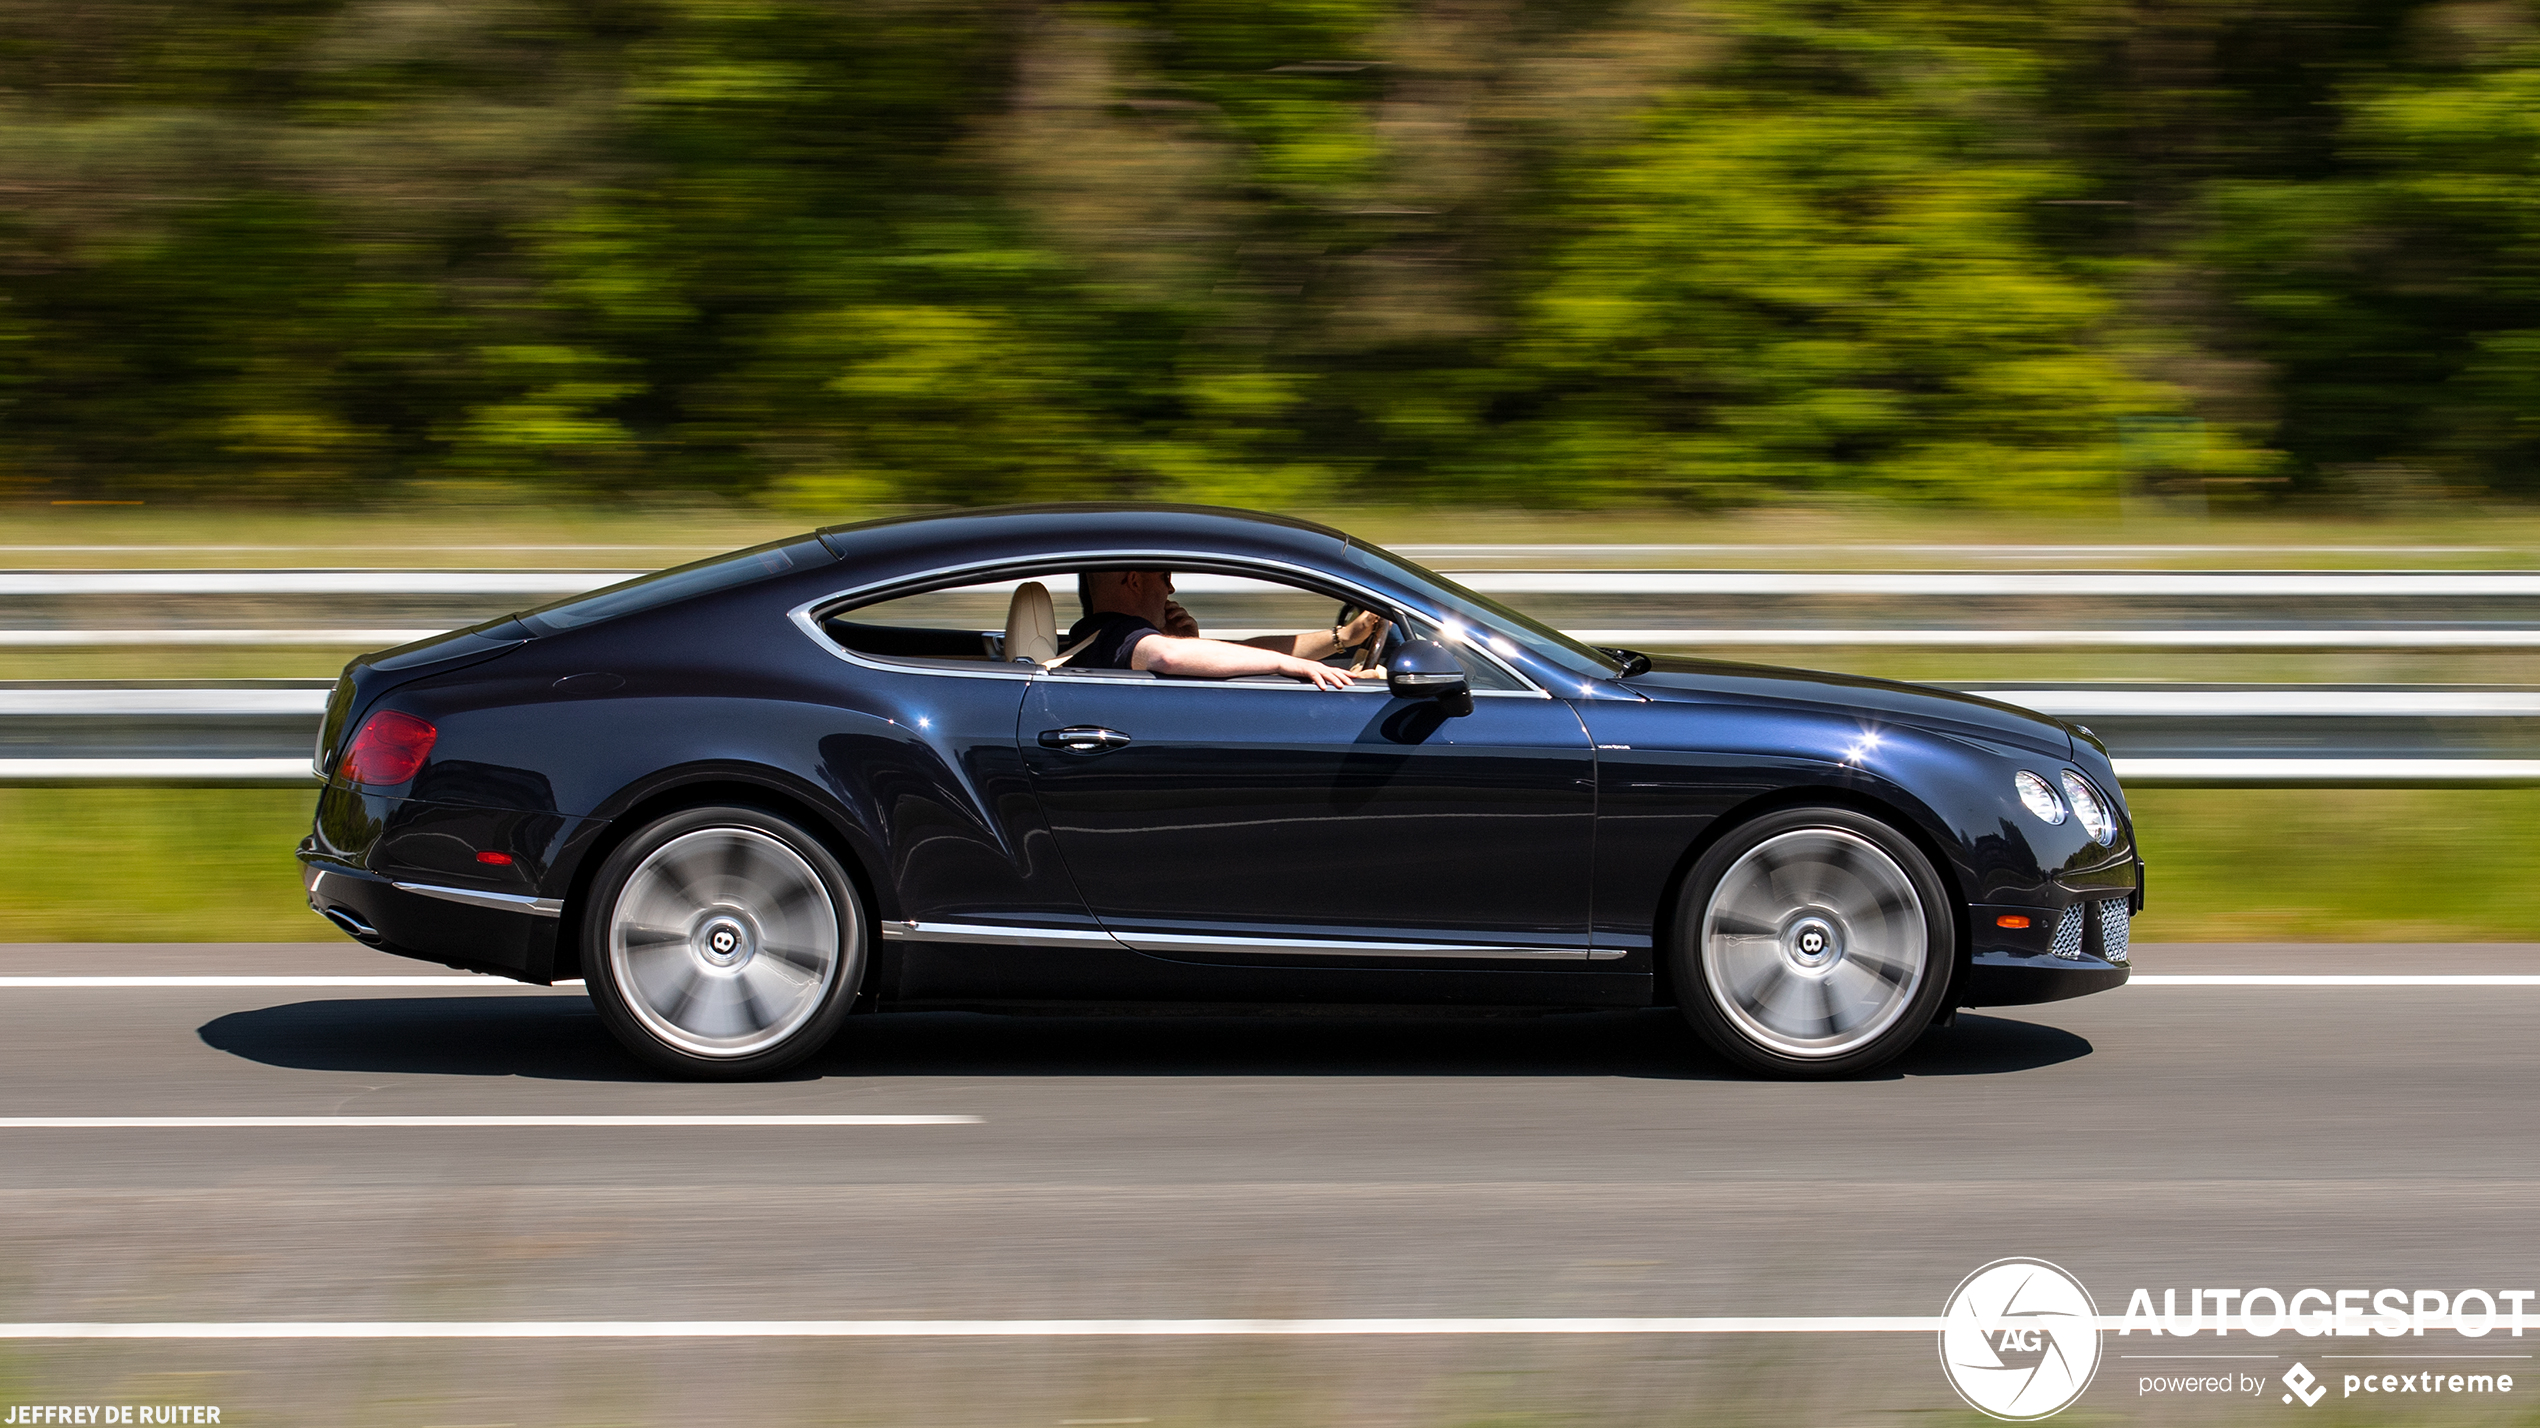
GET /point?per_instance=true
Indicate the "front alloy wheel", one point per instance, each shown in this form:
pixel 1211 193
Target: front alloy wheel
pixel 1813 942
pixel 724 942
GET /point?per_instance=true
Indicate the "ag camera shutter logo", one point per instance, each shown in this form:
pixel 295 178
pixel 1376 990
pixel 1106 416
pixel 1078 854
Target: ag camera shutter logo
pixel 2020 1340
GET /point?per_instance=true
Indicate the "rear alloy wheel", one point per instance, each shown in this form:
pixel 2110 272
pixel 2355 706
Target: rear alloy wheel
pixel 1813 942
pixel 723 943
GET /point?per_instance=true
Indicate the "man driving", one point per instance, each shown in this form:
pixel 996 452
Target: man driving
pixel 1133 622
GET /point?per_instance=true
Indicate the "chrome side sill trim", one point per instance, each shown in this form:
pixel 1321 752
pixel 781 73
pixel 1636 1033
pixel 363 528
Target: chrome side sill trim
pixel 500 902
pixel 1320 947
pixel 996 935
pixel 992 935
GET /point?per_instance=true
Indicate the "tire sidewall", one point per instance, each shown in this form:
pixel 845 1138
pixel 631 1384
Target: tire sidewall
pixel 610 999
pixel 1700 1001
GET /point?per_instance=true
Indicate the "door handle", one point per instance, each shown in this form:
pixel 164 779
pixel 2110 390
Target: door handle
pixel 1083 738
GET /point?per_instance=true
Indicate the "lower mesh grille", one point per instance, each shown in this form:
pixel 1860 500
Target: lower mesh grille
pixel 2114 920
pixel 2068 933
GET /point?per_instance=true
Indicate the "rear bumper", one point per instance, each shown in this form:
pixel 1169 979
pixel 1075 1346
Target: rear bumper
pixel 495 933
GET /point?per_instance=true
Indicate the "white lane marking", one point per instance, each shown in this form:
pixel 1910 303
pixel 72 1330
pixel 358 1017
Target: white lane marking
pixel 467 1122
pixel 74 982
pixel 963 1328
pixel 2335 979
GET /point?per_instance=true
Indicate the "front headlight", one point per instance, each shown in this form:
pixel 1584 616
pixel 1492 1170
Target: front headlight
pixel 2095 818
pixel 2038 796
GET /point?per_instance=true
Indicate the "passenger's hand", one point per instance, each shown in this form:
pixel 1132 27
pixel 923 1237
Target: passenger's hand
pixel 1178 622
pixel 1317 673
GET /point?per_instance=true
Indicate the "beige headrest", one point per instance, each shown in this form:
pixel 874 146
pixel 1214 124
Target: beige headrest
pixel 1031 624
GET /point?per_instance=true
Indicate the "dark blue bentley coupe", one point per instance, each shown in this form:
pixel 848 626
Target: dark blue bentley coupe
pixel 869 768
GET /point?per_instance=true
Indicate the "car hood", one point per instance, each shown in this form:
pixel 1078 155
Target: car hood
pixel 1945 711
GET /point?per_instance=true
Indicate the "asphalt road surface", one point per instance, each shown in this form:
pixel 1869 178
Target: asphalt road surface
pixel 2175 1135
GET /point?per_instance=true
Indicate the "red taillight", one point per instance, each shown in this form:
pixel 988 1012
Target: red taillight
pixel 497 860
pixel 388 750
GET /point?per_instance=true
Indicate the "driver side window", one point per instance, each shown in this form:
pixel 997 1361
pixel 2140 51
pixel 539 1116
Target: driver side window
pixel 1235 608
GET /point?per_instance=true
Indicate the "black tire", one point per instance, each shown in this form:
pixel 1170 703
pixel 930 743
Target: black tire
pixel 1813 942
pixel 723 943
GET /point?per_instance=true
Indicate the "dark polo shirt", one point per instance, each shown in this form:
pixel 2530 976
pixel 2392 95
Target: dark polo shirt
pixel 1115 635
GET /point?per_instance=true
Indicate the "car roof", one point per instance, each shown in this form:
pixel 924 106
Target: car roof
pixel 995 532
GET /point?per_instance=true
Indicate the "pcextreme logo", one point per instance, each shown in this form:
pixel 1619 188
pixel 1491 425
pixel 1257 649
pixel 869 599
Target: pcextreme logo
pixel 2020 1340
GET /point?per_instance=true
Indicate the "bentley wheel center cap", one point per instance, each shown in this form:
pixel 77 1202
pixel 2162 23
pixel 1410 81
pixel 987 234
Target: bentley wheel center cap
pixel 723 942
pixel 1811 942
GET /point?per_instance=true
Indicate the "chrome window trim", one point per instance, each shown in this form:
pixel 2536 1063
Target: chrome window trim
pixel 500 902
pixel 809 623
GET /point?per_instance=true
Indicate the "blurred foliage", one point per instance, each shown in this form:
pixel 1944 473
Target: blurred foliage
pixel 838 252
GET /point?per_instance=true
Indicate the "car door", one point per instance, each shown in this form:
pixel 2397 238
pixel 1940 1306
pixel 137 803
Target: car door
pixel 1261 820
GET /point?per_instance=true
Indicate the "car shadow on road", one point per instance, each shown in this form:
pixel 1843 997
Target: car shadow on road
pixel 556 1038
pixel 559 1038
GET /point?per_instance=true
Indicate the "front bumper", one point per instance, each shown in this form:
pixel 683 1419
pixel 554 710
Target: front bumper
pixel 475 931
pixel 2065 952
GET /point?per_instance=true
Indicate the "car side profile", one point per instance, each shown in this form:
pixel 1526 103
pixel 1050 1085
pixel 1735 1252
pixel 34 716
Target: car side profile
pixel 862 770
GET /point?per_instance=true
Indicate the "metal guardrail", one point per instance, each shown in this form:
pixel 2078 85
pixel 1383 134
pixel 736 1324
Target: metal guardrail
pixel 258 731
pixel 2427 612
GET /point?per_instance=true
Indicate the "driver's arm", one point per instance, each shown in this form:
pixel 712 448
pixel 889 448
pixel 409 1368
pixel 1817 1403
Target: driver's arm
pixel 1219 659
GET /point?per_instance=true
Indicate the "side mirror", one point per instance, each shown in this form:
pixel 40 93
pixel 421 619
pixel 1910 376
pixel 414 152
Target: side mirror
pixel 1425 669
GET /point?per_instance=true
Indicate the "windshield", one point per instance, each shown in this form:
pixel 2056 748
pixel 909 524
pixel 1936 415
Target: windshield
pixel 1543 641
pixel 678 583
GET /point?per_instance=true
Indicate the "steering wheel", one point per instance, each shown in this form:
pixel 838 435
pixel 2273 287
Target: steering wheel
pixel 1366 652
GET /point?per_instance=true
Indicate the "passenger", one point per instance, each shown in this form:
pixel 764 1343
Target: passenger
pixel 1132 622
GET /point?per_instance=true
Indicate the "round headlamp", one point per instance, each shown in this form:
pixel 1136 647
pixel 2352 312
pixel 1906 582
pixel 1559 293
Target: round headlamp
pixel 2038 796
pixel 2096 820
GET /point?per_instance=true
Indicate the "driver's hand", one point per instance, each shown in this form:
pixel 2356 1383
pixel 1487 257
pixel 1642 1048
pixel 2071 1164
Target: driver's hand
pixel 1178 622
pixel 1368 626
pixel 1319 674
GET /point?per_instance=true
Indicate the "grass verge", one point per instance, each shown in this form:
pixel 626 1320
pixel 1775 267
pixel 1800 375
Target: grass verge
pixel 2325 865
pixel 109 864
